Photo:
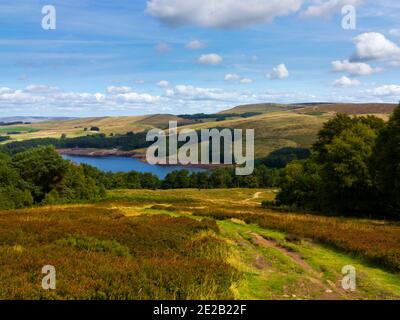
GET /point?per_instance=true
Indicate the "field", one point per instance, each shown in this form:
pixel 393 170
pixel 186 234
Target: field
pixel 276 126
pixel 193 244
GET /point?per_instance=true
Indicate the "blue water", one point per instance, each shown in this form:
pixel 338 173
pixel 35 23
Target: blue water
pixel 124 164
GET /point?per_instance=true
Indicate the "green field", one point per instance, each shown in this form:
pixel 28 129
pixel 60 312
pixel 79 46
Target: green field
pixel 184 244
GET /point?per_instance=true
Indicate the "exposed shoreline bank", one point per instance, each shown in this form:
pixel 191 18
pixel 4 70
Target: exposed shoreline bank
pixel 100 153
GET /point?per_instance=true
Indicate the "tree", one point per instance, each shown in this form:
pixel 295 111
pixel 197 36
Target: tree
pixel 281 157
pixel 75 186
pixel 220 178
pixel 386 164
pixel 42 168
pixel 348 183
pixel 330 130
pixel 337 178
pixel 301 186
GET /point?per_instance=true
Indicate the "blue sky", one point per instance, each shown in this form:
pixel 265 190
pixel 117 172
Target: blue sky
pixel 186 56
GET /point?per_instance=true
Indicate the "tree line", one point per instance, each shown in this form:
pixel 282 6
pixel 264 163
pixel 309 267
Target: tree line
pixel 42 176
pixel 354 169
pixel 126 142
pixel 37 176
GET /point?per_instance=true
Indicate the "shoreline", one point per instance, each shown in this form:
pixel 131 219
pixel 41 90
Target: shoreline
pixel 101 153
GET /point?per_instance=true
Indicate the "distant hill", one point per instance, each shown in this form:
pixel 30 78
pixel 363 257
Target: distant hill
pixel 33 119
pixel 353 108
pixel 348 108
pixel 162 120
pixel 276 125
pixel 261 108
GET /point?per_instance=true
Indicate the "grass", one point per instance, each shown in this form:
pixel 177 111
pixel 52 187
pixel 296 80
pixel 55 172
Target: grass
pixel 377 241
pixel 19 129
pixel 188 244
pixel 101 254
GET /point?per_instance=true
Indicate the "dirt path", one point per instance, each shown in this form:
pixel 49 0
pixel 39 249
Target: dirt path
pixel 254 197
pixel 328 288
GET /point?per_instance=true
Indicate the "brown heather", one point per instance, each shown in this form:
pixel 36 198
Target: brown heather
pixel 100 254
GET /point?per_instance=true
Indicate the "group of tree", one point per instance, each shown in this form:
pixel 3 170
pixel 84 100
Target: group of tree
pixel 354 169
pixel 217 116
pixel 262 177
pixel 126 142
pixel 282 157
pixel 39 176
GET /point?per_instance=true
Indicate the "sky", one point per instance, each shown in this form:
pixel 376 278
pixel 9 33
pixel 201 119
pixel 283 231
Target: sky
pixel 122 57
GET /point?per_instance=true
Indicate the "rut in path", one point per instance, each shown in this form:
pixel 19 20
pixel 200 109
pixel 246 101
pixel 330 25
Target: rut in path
pixel 330 291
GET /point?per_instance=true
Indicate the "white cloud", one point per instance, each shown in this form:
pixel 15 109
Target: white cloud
pixel 188 92
pixel 232 77
pixel 387 90
pixel 134 97
pixel 375 46
pixel 246 81
pixel 279 72
pixel 195 45
pixel 163 84
pixel 221 13
pixel 41 89
pixel 327 8
pixel 346 82
pixel 50 99
pixel 116 90
pixel 354 68
pixel 210 59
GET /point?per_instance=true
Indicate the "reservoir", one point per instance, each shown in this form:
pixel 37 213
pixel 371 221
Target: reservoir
pixel 125 164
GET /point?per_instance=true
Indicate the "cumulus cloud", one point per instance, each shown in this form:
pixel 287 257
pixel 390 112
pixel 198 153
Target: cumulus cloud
pixel 210 59
pixel 346 82
pixel 327 8
pixel 279 72
pixel 387 90
pixel 52 98
pixel 232 77
pixel 196 45
pixel 116 90
pixel 220 14
pixel 246 81
pixel 134 97
pixel 188 92
pixel 354 68
pixel 375 46
pixel 163 84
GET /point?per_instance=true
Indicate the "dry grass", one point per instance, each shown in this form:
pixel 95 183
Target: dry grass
pixel 101 254
pixel 376 241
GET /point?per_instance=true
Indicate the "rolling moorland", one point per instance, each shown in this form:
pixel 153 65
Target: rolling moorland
pixel 192 244
pixel 205 243
pixel 276 126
